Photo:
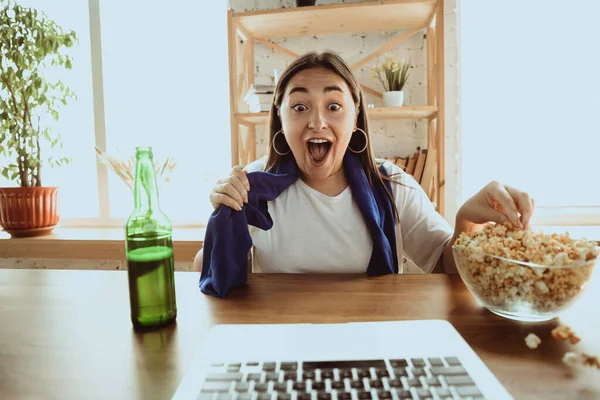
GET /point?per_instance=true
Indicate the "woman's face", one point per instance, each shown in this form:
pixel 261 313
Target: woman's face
pixel 318 116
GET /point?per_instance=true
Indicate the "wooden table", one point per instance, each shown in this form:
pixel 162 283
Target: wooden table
pixel 67 334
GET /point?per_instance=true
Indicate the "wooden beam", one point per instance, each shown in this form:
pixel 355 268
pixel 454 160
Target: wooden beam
pixel 364 16
pixel 233 106
pixel 243 122
pixel 250 62
pixel 441 121
pixel 428 172
pixel 431 126
pixel 240 88
pixel 435 191
pixel 243 33
pixel 430 18
pixel 251 143
pixel 372 91
pixel 430 44
pixel 431 88
pixel 390 45
pixel 243 78
pixel 243 145
pixel 241 75
pixel 277 47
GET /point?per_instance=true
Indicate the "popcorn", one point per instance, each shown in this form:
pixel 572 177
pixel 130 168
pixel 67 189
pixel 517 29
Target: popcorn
pixel 528 246
pixel 532 341
pixel 573 359
pixel 565 333
pixel 509 286
pixel 590 361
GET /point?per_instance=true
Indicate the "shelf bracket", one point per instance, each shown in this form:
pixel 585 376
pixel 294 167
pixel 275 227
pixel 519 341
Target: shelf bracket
pixel 243 33
pixel 390 45
pixel 372 91
pixel 431 18
pixel 277 47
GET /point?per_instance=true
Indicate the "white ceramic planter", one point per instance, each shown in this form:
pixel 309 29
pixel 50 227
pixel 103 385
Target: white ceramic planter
pixel 393 99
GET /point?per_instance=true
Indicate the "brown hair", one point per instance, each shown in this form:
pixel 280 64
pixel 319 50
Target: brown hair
pixel 335 63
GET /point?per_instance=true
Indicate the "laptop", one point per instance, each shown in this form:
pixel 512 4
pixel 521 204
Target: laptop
pixel 392 360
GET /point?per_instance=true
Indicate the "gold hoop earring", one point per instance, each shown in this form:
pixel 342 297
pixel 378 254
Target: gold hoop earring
pixel 275 147
pixel 366 142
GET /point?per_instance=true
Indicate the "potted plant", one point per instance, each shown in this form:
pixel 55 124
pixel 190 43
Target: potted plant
pixel 29 43
pixel 392 76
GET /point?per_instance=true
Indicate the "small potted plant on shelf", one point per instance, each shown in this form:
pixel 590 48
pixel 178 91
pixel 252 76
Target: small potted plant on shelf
pixel 392 76
pixel 29 42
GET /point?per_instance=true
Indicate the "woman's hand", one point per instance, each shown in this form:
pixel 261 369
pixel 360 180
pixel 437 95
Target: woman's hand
pixel 498 203
pixel 231 191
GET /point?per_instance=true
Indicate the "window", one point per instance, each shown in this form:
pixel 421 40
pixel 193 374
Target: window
pixel 165 73
pixel 164 83
pixel 529 94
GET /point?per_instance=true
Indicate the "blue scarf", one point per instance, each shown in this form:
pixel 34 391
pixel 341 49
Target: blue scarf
pixel 227 240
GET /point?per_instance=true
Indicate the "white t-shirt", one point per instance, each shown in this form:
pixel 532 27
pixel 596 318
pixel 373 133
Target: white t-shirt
pixel 316 233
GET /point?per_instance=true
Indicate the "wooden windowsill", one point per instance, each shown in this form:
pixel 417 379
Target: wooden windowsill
pixel 92 244
pixel 108 243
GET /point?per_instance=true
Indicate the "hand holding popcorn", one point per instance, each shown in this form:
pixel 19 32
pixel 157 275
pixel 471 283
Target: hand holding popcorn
pixel 498 203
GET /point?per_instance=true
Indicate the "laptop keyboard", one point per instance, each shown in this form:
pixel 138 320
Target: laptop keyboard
pixel 393 379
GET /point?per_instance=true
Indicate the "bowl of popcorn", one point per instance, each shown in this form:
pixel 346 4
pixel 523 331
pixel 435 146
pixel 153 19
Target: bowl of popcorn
pixel 522 274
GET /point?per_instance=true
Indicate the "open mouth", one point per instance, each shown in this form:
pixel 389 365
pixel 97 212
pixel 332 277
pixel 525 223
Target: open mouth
pixel 318 149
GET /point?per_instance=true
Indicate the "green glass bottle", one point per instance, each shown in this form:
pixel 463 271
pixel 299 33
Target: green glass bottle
pixel 149 249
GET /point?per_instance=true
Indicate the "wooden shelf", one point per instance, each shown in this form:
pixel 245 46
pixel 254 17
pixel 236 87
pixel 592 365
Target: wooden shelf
pixel 259 118
pixel 377 113
pixel 411 16
pixel 422 112
pixel 337 18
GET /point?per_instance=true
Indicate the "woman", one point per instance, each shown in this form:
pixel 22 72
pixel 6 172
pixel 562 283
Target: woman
pixel 318 123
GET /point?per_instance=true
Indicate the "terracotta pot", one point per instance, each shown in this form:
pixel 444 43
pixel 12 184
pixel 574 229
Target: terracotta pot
pixel 303 3
pixel 30 211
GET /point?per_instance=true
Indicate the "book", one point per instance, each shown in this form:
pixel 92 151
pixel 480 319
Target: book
pixel 402 162
pixel 427 180
pixel 259 89
pixel 420 164
pixel 412 162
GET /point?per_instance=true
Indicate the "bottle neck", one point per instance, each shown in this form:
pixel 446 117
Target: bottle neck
pixel 145 189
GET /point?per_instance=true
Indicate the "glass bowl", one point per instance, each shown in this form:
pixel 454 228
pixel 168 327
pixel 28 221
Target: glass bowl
pixel 521 290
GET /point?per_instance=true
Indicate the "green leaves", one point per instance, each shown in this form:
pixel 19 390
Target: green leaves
pixel 54 163
pixel 10 172
pixel 29 41
pixel 392 75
